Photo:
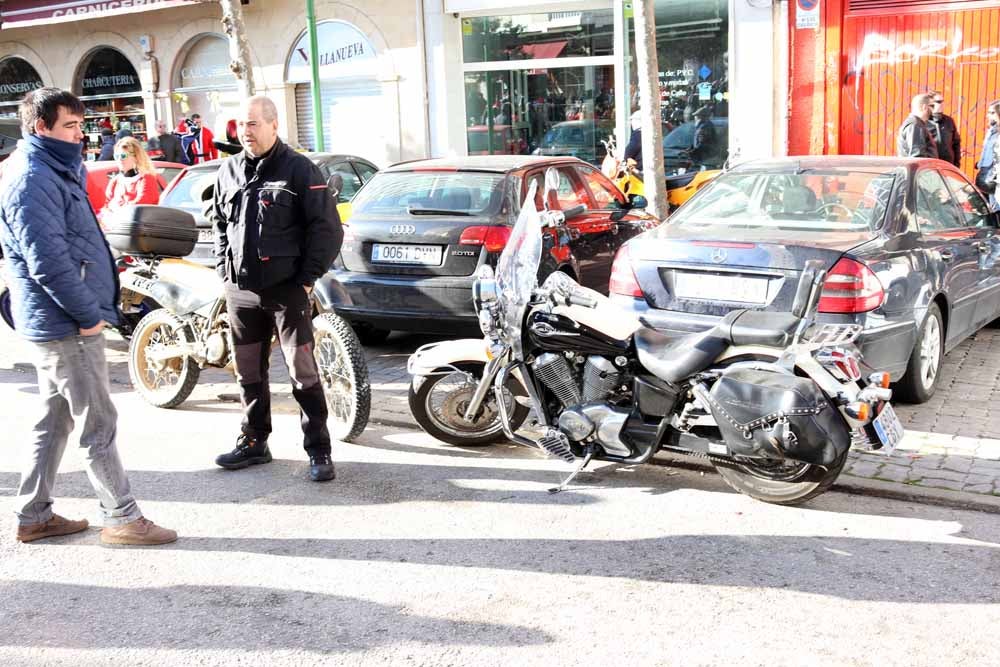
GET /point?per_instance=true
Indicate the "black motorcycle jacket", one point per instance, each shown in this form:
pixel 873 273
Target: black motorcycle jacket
pixel 274 220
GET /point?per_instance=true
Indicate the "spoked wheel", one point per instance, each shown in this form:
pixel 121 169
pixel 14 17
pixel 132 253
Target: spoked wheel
pixel 344 374
pixel 779 482
pixel 163 382
pixel 439 404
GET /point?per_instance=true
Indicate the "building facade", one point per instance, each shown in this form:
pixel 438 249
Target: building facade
pixel 856 64
pixel 170 59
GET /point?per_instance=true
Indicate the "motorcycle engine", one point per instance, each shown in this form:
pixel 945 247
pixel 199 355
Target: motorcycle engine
pixel 600 378
pixel 217 349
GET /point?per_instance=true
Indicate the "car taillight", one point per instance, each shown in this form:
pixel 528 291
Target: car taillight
pixel 851 287
pixel 492 238
pixel 623 280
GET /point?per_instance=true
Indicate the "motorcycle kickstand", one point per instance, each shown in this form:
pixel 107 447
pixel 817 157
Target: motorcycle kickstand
pixel 591 450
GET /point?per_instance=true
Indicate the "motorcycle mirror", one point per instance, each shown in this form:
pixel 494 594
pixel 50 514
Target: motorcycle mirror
pixel 637 201
pixel 335 184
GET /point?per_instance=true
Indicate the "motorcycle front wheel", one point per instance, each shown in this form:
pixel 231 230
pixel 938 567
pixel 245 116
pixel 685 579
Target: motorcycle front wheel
pixel 779 483
pixel 344 374
pixel 164 383
pixel 440 402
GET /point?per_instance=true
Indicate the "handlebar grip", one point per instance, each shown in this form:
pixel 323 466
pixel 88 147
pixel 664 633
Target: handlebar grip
pixel 584 301
pixel 575 211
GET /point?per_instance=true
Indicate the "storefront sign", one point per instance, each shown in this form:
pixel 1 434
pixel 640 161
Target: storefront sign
pixel 17 78
pixel 807 13
pixel 207 65
pixel 108 72
pixel 20 13
pixel 343 51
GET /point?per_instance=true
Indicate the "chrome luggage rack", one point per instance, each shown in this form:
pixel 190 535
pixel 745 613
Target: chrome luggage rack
pixel 833 334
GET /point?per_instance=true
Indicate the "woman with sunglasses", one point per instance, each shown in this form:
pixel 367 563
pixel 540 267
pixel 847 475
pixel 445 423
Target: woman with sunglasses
pixel 136 181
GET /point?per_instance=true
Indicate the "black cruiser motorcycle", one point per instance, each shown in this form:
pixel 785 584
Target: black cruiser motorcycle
pixel 773 400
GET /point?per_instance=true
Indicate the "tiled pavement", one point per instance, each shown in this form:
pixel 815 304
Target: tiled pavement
pixel 952 442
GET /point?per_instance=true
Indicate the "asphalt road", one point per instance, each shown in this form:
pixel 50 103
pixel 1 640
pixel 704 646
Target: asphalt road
pixel 420 553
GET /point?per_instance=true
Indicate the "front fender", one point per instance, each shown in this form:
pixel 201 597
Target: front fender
pixel 447 353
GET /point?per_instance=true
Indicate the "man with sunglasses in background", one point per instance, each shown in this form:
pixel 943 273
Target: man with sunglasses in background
pixel 944 131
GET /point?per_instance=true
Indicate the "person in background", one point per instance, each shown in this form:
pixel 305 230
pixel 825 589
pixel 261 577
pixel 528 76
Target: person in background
pixel 123 131
pixel 986 174
pixel 633 151
pixel 135 183
pixel 107 145
pixel 705 142
pixel 914 138
pixel 64 292
pixel 944 131
pixel 166 144
pixel 202 147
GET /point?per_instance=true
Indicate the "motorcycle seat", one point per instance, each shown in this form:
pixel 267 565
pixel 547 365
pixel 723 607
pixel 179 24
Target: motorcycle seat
pixel 673 358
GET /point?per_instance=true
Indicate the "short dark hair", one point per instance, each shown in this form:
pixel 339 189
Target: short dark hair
pixel 195 115
pixel 44 103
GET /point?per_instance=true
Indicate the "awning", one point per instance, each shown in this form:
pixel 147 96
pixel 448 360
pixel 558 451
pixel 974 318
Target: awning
pixel 24 13
pixel 543 50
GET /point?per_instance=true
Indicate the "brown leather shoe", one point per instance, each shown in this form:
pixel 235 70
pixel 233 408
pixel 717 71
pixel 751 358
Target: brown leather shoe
pixel 54 527
pixel 141 532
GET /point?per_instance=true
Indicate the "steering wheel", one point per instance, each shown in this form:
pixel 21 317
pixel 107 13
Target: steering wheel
pixel 830 207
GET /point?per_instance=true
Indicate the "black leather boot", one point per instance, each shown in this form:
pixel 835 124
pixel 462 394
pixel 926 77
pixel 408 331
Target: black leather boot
pixel 249 451
pixel 321 468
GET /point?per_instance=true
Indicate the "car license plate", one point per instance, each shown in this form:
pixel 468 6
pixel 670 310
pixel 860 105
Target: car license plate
pixel 398 253
pixel 710 287
pixel 888 428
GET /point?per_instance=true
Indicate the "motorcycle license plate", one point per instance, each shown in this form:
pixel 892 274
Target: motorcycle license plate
pixel 888 428
pixel 424 255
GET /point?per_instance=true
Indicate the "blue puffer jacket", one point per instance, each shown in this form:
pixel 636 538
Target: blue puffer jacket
pixel 59 266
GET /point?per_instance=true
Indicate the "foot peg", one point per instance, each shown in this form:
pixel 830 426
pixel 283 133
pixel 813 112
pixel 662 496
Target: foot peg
pixel 557 444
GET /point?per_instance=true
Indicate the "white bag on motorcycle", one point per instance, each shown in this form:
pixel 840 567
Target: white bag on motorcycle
pixel 764 414
pixel 153 230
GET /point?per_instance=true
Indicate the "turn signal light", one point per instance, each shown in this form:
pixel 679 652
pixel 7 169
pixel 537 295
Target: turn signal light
pixel 859 410
pixel 879 380
pixel 623 280
pixel 851 287
pixel 493 238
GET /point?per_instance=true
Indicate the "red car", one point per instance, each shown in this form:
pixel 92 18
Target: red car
pixel 99 173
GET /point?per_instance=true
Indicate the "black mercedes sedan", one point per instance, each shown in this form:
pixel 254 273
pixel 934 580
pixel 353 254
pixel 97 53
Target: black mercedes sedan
pixel 420 230
pixel 911 248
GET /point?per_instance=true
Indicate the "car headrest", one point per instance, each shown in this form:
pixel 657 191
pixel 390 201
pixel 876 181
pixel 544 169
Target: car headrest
pixel 798 199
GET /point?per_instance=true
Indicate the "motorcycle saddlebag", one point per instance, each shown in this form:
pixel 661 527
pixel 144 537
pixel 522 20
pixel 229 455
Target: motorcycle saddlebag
pixel 764 414
pixel 153 230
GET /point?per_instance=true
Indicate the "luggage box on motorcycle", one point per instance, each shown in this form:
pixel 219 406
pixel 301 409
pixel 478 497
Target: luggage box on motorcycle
pixel 756 409
pixel 153 230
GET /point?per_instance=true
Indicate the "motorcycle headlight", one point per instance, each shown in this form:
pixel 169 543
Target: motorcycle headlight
pixel 484 289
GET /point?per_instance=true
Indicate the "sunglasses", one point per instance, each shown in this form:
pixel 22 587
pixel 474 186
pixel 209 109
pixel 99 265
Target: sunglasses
pixel 122 156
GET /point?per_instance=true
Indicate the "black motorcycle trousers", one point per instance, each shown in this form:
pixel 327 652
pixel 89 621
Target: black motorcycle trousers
pixel 253 317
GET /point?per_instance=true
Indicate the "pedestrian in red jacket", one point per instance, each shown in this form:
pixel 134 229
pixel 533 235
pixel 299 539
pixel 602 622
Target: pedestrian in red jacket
pixel 135 183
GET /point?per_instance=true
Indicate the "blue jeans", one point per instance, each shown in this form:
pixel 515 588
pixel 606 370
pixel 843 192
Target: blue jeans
pixel 73 386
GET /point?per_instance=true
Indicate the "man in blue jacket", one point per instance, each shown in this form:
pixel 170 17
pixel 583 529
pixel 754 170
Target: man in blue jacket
pixel 64 288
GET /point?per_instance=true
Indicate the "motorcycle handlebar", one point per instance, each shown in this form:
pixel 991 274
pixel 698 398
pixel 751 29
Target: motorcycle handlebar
pixel 574 300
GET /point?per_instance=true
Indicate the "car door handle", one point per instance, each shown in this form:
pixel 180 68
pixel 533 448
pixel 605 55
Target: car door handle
pixel 947 255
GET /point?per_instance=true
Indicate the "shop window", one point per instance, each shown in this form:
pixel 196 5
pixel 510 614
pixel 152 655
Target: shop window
pixel 538 36
pixel 204 84
pixel 108 72
pixel 17 79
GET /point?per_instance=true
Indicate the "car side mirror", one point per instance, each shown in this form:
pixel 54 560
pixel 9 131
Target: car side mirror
pixel 637 201
pixel 335 184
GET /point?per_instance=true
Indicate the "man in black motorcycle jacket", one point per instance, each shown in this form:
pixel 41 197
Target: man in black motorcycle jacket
pixel 276 232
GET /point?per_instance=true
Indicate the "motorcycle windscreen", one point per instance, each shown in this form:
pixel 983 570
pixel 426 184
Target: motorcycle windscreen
pixel 517 269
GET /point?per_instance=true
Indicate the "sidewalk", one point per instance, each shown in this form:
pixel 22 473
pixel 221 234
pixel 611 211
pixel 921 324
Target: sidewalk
pixel 950 455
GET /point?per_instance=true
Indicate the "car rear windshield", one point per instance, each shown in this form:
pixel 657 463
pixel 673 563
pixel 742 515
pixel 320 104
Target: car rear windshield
pixel 187 193
pixel 813 200
pixel 415 193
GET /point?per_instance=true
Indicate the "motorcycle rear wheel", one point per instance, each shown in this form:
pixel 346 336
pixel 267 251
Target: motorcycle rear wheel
pixel 164 384
pixel 788 484
pixel 343 371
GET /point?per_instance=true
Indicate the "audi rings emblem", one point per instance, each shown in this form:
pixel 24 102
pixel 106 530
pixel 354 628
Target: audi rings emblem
pixel 719 255
pixel 402 229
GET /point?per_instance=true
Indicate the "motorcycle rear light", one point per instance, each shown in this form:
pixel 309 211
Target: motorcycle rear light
pixel 842 363
pixel 623 280
pixel 851 287
pixel 493 238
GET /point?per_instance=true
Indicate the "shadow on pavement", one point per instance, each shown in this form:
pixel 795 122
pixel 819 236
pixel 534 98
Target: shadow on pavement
pixel 229 617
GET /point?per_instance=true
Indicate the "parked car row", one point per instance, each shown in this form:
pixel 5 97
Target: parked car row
pixel 911 247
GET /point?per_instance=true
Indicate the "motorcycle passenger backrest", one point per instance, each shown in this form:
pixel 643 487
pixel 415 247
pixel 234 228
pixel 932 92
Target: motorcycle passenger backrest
pixel 808 290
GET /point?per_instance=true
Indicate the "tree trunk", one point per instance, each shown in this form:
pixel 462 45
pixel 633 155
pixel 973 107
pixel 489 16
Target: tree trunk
pixel 239 48
pixel 654 180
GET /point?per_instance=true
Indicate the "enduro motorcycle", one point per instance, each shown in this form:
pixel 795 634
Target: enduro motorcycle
pixel 773 400
pixel 189 331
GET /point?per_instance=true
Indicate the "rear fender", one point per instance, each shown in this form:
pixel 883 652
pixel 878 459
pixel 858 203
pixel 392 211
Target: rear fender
pixel 176 298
